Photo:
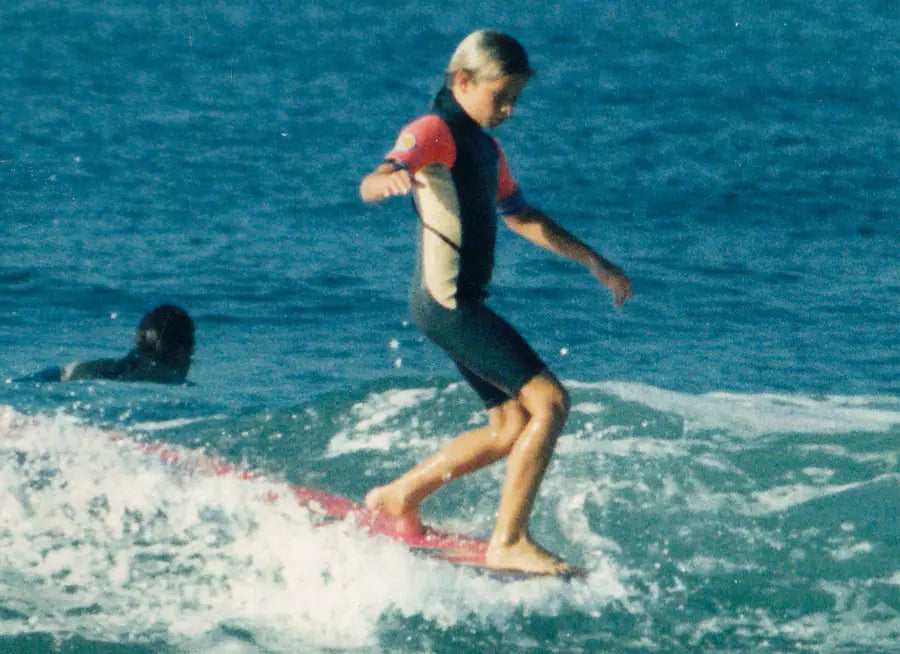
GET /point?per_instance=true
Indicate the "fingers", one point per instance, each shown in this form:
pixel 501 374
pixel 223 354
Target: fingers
pixel 613 278
pixel 399 182
pixel 622 291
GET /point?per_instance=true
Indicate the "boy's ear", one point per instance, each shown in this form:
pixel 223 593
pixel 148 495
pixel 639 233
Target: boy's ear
pixel 462 79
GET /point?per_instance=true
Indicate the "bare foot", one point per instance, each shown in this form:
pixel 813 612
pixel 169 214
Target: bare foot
pixel 387 501
pixel 526 556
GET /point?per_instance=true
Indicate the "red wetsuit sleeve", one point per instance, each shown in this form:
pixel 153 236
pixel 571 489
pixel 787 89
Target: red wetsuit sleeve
pixel 510 200
pixel 424 141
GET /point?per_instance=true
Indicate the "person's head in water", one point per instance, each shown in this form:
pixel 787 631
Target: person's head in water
pixel 165 336
pixel 163 347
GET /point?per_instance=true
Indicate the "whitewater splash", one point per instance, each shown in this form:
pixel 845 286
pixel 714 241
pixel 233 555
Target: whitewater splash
pixel 731 518
pixel 780 510
pixel 104 538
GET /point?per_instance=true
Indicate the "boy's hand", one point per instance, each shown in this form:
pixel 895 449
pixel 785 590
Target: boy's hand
pixel 399 182
pixel 613 278
pixel 387 182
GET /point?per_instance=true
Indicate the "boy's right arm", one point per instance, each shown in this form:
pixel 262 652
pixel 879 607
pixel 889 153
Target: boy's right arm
pixel 386 181
pixel 426 140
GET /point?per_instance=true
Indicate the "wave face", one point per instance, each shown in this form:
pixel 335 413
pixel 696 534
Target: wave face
pixel 720 521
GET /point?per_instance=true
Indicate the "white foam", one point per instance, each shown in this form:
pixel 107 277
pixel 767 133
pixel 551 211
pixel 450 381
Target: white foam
pixel 781 498
pixel 368 419
pixel 160 425
pixel 104 539
pixel 588 408
pixel 754 415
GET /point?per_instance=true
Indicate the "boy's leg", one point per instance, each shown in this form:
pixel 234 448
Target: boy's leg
pixel 464 454
pixel 547 403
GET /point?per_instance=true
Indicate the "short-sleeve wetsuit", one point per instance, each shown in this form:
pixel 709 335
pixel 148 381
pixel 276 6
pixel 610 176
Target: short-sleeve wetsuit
pixel 465 185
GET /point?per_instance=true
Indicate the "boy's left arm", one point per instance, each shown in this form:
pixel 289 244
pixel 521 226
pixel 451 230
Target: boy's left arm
pixel 540 229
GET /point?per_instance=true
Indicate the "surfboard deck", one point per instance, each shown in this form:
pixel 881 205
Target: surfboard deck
pixel 457 549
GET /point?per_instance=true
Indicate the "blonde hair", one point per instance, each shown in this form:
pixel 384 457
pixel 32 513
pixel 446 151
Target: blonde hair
pixel 487 55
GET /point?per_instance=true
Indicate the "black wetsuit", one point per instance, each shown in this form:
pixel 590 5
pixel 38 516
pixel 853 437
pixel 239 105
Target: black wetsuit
pixel 458 209
pixel 134 366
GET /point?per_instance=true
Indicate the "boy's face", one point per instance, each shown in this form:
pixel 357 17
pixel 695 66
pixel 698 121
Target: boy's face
pixel 490 101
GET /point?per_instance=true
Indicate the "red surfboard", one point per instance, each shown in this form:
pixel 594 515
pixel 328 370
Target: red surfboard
pixel 457 549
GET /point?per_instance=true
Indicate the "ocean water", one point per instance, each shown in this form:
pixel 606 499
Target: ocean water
pixel 729 473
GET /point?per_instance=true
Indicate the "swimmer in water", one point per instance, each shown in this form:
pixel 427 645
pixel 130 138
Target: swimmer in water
pixel 163 347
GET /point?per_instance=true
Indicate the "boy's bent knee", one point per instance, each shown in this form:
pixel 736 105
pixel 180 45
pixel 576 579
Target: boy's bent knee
pixel 510 423
pixel 544 395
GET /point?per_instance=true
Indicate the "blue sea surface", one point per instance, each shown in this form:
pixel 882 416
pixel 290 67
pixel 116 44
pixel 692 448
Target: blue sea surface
pixel 730 472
